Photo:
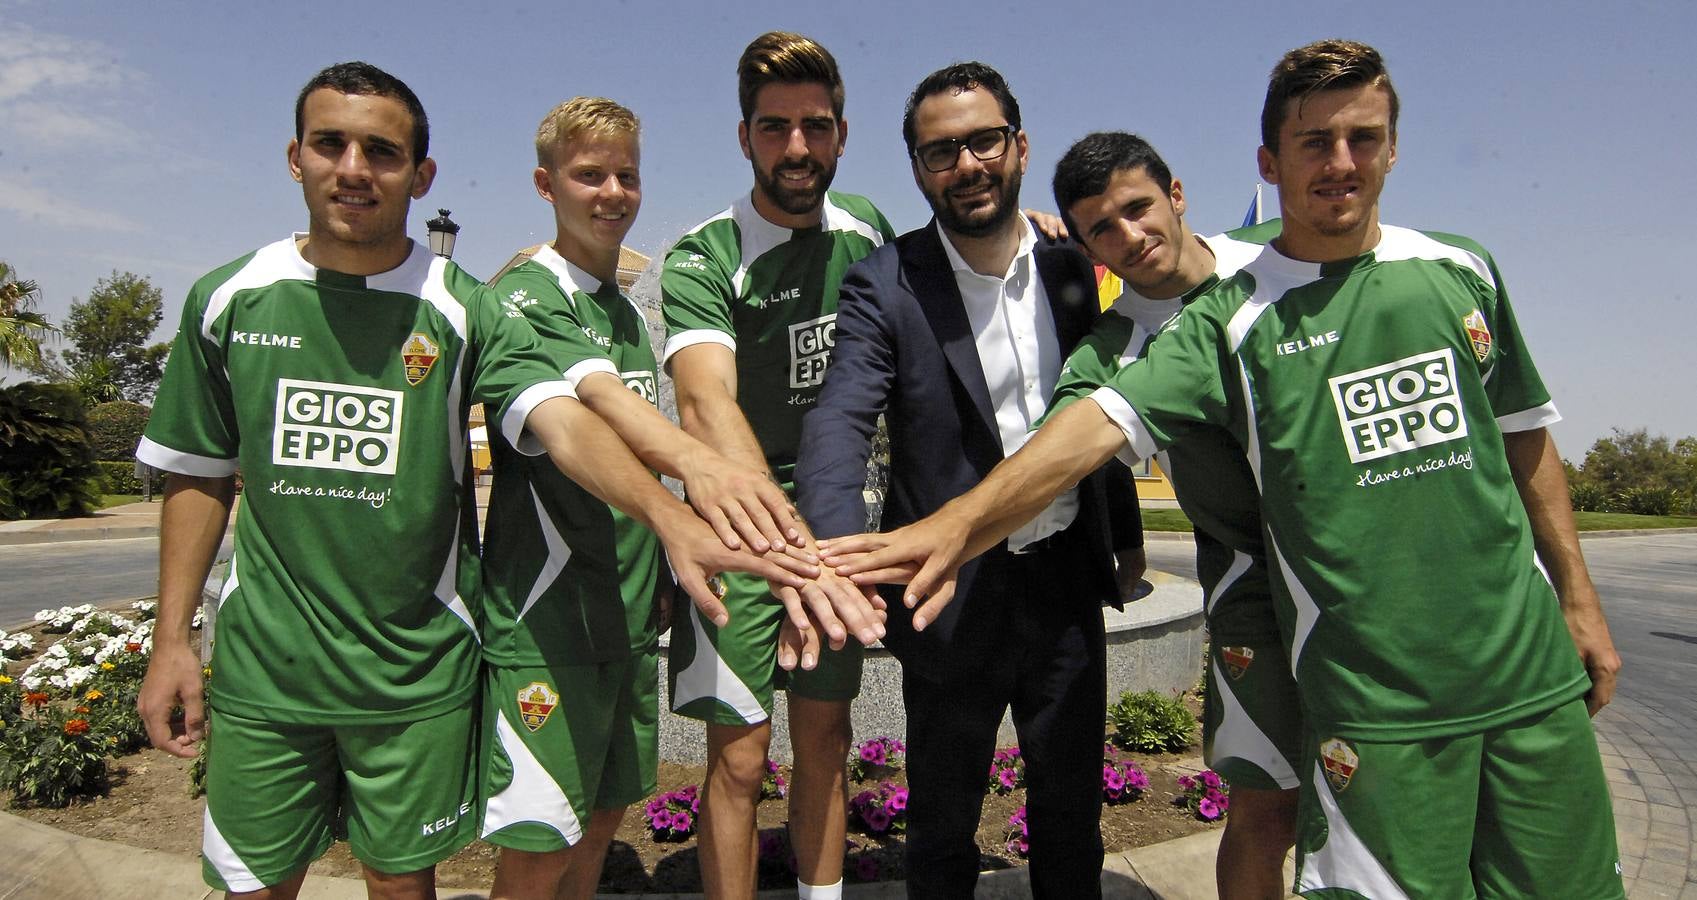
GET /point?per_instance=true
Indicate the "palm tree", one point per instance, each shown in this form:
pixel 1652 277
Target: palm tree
pixel 21 328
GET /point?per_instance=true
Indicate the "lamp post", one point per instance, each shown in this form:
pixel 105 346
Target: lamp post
pixel 443 233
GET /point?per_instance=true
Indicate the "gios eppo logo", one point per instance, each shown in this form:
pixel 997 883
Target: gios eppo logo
pixel 810 350
pixel 321 425
pixel 1399 406
pixel 641 383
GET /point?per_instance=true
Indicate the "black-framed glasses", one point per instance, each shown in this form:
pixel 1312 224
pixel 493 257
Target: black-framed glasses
pixel 985 144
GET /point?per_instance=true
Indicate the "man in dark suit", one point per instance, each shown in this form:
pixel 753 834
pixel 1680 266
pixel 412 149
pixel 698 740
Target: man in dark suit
pixel 956 333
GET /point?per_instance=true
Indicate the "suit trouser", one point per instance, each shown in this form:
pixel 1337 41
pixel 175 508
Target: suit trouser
pixel 1049 667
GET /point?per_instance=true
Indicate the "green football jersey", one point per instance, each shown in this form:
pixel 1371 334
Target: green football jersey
pixel 1370 397
pixel 342 401
pixel 567 578
pixel 1208 472
pixel 770 294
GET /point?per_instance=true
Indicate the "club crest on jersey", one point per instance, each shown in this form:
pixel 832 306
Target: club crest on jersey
pixel 1237 660
pixel 1404 405
pixel 1479 333
pixel 536 702
pixel 1339 761
pixel 419 354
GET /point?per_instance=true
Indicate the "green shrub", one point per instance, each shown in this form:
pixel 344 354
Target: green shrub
pixel 1588 496
pixel 46 462
pixel 115 429
pixel 120 478
pixel 52 755
pixel 1150 722
pixel 1649 501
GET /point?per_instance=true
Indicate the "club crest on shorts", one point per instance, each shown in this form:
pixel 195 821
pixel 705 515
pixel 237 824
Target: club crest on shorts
pixel 418 354
pixel 1479 333
pixel 1237 660
pixel 536 702
pixel 1339 760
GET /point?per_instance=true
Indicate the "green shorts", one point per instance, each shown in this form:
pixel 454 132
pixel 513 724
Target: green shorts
pixel 563 741
pixel 1252 716
pixel 729 676
pixel 274 792
pixel 1518 811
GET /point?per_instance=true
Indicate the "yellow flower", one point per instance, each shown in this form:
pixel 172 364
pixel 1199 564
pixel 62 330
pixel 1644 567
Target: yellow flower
pixel 107 667
pixel 93 695
pixel 5 679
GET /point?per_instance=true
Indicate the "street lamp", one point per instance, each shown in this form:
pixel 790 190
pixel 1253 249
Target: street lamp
pixel 443 232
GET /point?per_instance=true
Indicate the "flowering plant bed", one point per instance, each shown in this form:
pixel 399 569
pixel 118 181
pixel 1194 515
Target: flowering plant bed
pixel 146 801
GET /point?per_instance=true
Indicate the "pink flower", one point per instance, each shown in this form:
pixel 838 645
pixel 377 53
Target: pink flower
pixel 1112 779
pixel 1186 782
pixel 897 801
pixel 866 868
pixel 878 820
pixel 1210 778
pixel 1208 809
pixel 870 753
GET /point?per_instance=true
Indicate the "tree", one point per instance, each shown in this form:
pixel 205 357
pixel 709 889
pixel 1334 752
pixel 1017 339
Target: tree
pixel 21 328
pixel 111 359
pixel 1632 471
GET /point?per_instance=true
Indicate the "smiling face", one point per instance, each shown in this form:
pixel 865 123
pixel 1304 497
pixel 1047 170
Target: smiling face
pixel 595 185
pixel 974 197
pixel 354 164
pixel 793 140
pixel 1137 231
pixel 1335 149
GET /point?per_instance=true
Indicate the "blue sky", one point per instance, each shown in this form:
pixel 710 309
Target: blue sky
pixel 150 137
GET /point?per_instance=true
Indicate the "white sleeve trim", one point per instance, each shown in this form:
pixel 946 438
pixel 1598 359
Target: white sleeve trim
pixel 1528 419
pixel 692 337
pixel 576 373
pixel 1139 445
pixel 512 424
pixel 160 456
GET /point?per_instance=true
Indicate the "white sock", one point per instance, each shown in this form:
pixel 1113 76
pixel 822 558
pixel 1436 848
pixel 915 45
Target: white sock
pixel 832 891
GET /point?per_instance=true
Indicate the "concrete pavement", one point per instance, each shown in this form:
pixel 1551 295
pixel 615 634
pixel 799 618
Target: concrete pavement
pixel 43 863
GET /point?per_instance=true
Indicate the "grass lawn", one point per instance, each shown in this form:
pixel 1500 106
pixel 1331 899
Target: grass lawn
pixel 107 501
pixel 1174 520
pixel 1599 521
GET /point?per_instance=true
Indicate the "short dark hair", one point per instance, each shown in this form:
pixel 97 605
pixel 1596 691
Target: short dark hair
pixel 790 58
pixel 1088 166
pixel 362 78
pixel 962 76
pixel 1329 65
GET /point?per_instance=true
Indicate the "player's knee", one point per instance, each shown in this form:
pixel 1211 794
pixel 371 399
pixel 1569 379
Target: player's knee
pixel 1264 818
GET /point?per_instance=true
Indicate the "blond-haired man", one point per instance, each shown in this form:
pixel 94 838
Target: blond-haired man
pixel 573 587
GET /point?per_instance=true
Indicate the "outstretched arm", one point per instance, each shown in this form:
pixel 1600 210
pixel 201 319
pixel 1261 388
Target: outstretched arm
pixel 706 379
pixel 191 526
pixel 929 553
pixel 737 498
pixel 589 453
pixel 1538 474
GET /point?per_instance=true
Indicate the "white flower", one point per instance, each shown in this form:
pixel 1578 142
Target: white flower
pixel 44 615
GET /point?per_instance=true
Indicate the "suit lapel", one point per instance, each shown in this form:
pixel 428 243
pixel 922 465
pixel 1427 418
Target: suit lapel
pixel 1064 280
pixel 932 281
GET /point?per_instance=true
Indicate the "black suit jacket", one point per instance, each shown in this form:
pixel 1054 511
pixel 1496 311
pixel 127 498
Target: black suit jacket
pixel 904 348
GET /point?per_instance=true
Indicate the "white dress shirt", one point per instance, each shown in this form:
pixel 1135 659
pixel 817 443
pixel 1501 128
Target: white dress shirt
pixel 1020 353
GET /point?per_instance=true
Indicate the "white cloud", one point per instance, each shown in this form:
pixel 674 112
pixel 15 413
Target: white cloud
pixel 58 91
pixel 33 62
pixel 33 205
